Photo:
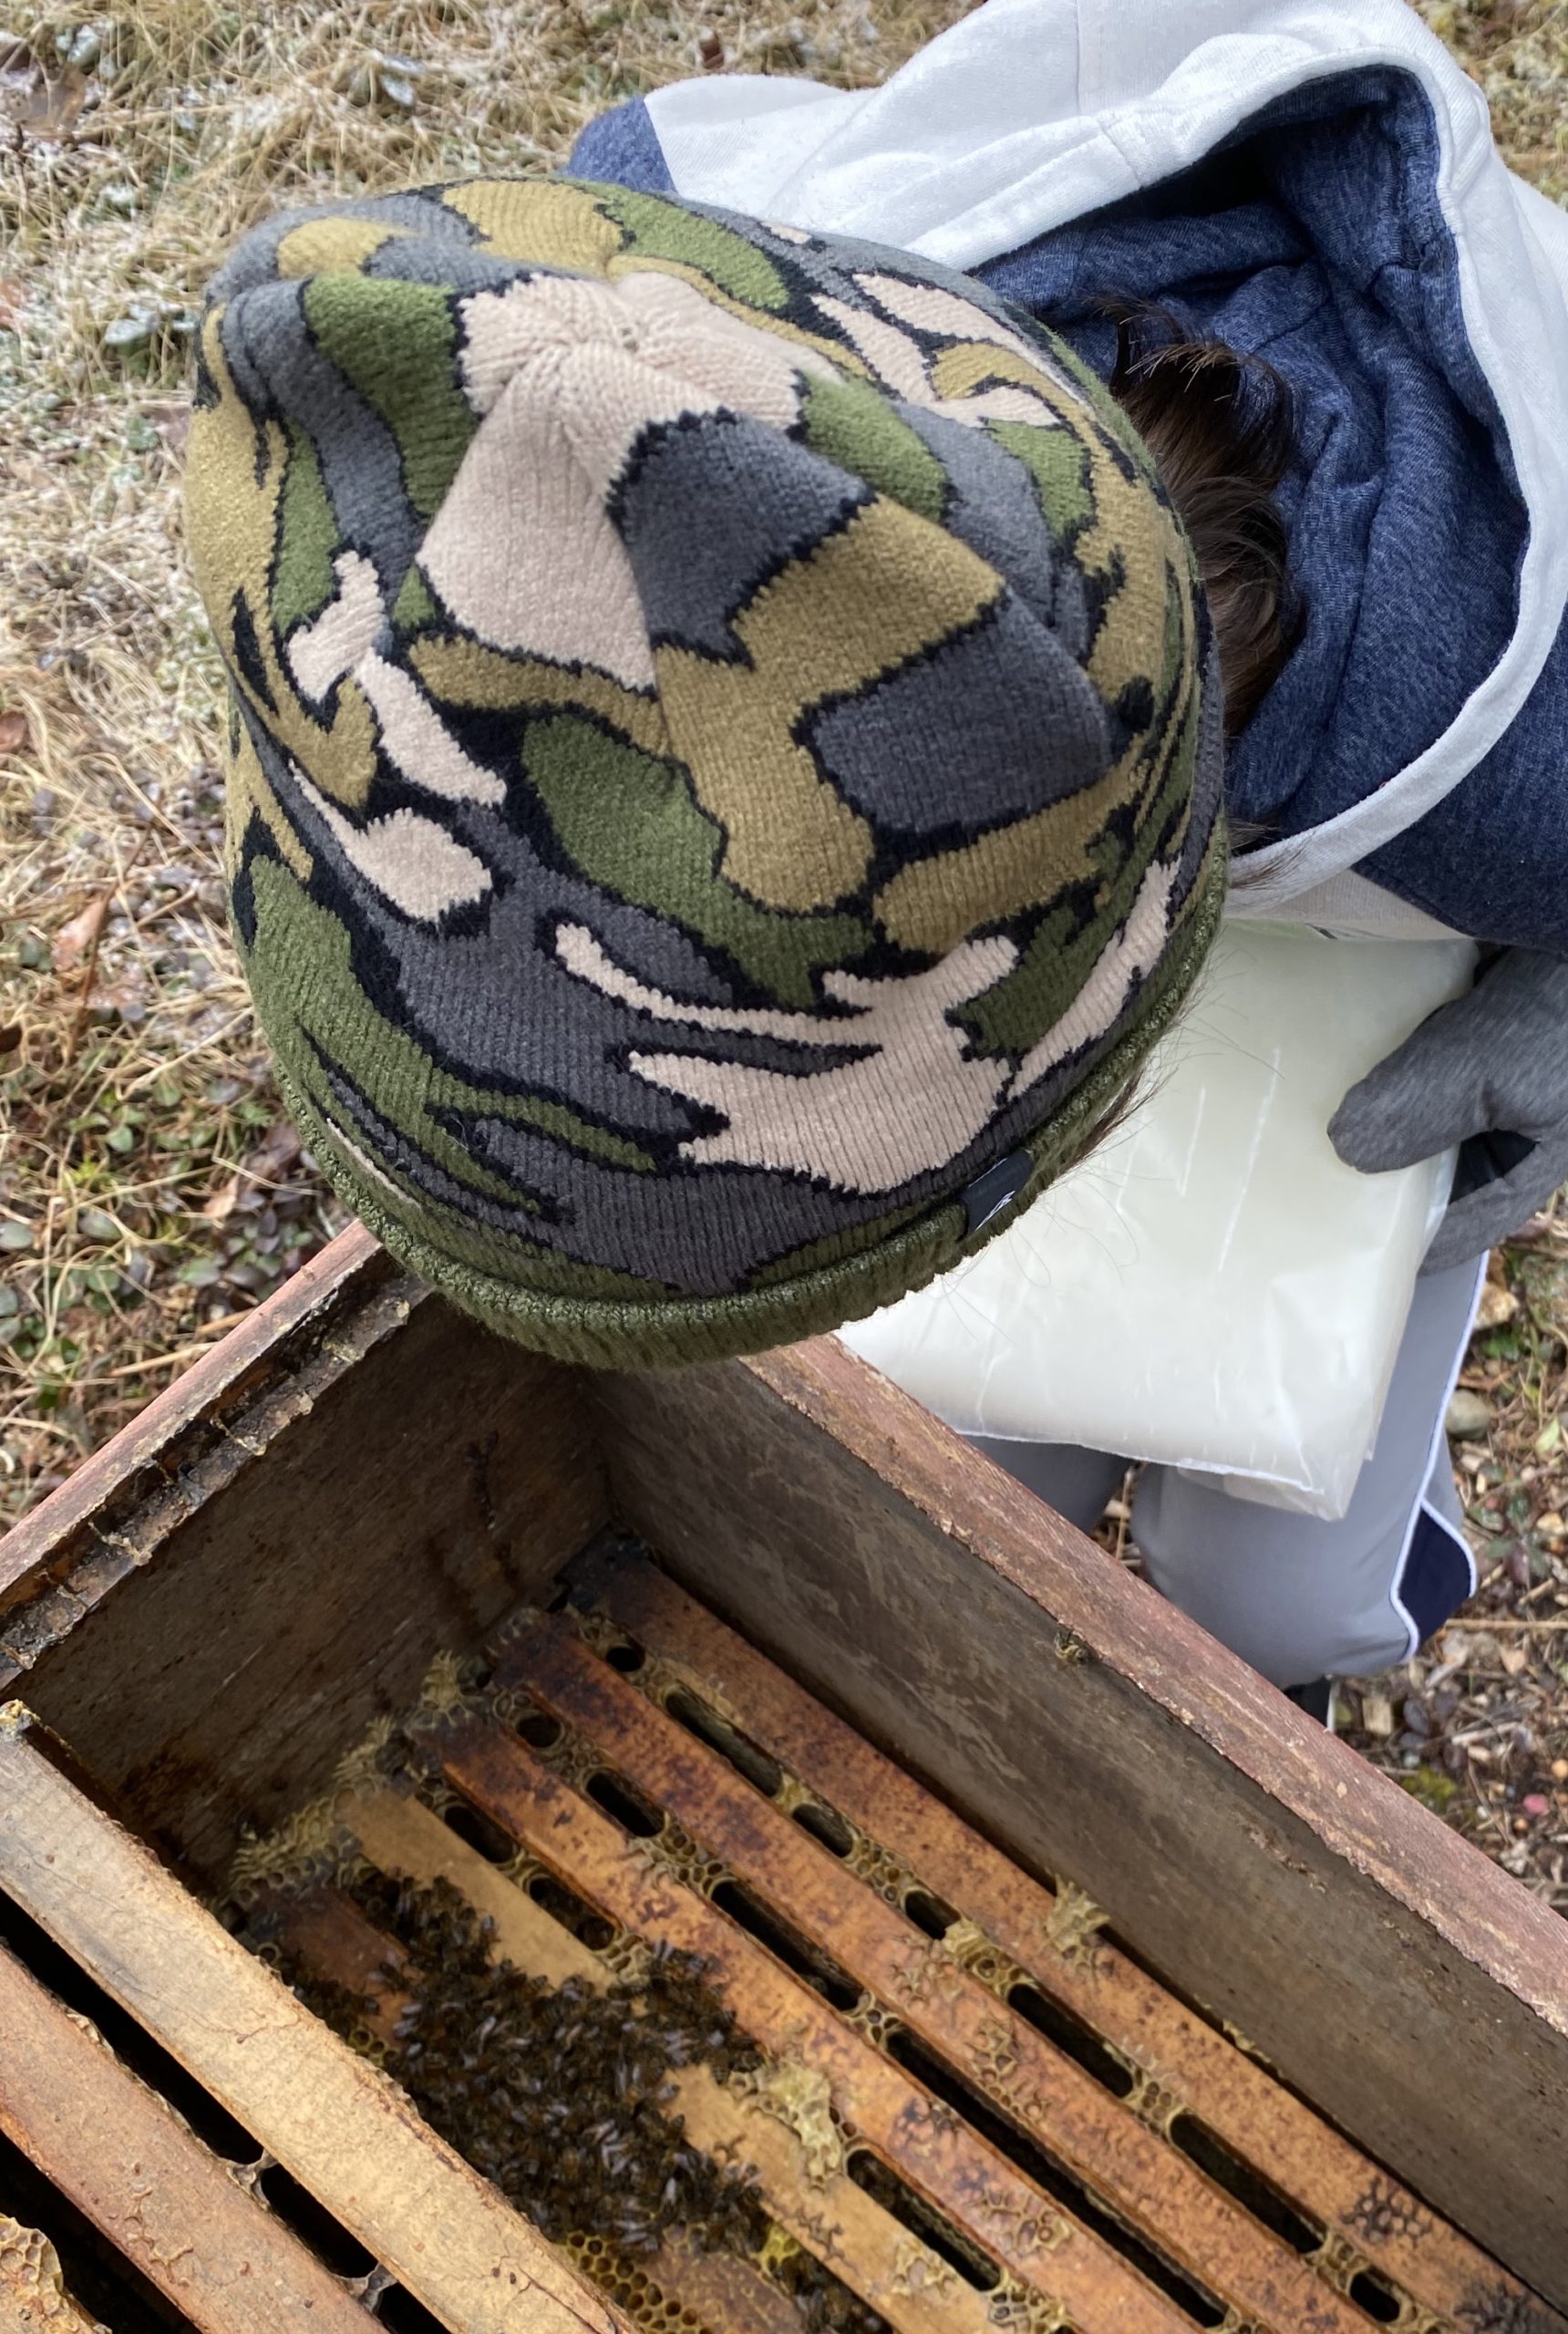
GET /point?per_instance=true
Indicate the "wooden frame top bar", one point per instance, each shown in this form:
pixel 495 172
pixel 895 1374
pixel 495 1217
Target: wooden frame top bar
pixel 126 1499
pixel 334 2121
pixel 1417 1995
pixel 1116 1623
pixel 170 1616
pixel 113 2148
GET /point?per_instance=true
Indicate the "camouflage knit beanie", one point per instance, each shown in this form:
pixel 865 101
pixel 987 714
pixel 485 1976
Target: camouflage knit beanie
pixel 725 780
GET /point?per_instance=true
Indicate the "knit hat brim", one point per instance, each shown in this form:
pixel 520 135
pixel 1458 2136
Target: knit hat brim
pixel 616 1333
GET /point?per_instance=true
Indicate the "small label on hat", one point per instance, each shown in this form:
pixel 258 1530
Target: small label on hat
pixel 989 1193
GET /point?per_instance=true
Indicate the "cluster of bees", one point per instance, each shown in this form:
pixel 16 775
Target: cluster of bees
pixel 561 2094
pixel 557 2093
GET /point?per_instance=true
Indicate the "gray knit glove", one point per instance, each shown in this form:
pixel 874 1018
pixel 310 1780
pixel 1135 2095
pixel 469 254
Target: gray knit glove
pixel 1488 1072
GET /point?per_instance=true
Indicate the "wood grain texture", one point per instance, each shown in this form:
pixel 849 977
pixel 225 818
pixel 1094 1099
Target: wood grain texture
pixel 1099 2139
pixel 1057 1941
pixel 392 1504
pixel 147 1468
pixel 339 2127
pixel 820 2206
pixel 1408 1987
pixel 124 2160
pixel 959 2173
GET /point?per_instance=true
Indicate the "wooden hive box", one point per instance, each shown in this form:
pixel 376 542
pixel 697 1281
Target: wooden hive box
pixel 1115 1995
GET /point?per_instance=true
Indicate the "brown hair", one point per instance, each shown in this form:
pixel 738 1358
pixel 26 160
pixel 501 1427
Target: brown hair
pixel 1221 428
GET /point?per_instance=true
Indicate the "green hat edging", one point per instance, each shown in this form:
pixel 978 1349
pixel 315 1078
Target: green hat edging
pixel 616 1333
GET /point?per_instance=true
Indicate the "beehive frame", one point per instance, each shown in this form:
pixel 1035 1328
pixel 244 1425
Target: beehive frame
pixel 1074 1721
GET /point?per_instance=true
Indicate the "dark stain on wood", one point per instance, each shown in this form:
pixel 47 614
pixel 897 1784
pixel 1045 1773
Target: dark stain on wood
pixel 1276 1878
pixel 249 1644
pixel 210 1633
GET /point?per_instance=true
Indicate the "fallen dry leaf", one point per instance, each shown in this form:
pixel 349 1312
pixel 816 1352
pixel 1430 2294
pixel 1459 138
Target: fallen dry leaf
pixel 74 941
pixel 1498 1306
pixel 1514 1660
pixel 119 996
pixel 63 100
pixel 13 734
pixel 221 1206
pixel 10 303
pixel 42 107
pixel 277 1151
pixel 1377 1715
pixel 172 419
pixel 10 1037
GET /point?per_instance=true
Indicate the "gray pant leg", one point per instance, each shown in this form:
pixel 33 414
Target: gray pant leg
pixel 1076 1483
pixel 1299 1597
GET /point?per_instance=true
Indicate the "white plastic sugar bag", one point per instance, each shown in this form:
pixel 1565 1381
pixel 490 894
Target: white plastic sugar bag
pixel 1211 1288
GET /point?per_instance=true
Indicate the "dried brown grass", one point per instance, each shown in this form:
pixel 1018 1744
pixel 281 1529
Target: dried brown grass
pixel 148 1189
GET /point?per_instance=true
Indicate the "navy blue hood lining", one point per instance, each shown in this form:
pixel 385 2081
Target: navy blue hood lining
pixel 1314 235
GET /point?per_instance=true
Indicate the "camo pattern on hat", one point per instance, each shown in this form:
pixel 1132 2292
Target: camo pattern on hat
pixel 725 748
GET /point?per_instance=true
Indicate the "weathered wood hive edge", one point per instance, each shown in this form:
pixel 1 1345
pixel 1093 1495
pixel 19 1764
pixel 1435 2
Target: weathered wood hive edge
pixel 1371 1924
pixel 217 1418
pixel 1322 1806
pixel 1361 1817
pixel 224 1413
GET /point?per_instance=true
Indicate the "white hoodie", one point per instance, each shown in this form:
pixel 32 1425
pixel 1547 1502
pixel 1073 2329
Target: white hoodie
pixel 1032 113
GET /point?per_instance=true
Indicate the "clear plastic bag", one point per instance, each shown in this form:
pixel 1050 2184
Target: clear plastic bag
pixel 1212 1288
